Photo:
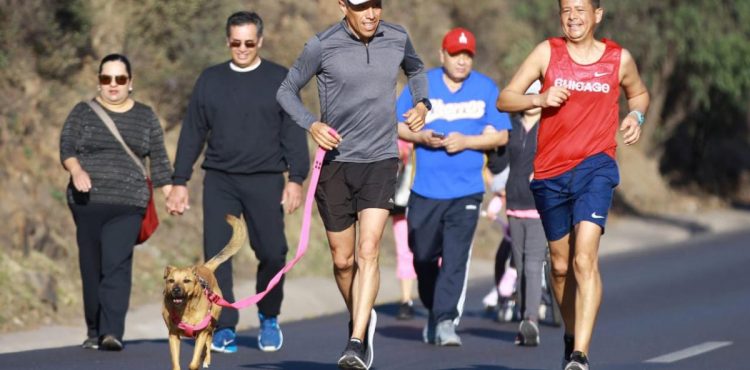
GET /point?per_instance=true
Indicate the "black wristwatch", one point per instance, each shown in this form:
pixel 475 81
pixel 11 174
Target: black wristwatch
pixel 426 103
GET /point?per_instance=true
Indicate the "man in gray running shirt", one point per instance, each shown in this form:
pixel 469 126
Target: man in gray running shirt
pixel 356 64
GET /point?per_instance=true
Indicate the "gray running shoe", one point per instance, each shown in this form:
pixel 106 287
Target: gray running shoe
pixel 353 356
pixel 91 343
pixel 578 361
pixel 445 334
pixel 528 334
pixel 428 333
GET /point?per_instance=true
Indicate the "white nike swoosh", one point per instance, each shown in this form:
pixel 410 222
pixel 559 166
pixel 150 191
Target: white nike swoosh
pixel 600 74
pixel 227 342
pixel 594 215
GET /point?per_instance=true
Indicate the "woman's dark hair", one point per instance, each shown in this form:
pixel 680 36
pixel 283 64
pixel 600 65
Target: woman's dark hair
pixel 242 18
pixel 119 58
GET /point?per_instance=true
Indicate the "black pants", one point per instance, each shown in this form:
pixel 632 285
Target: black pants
pixel 442 228
pixel 106 235
pixel 258 198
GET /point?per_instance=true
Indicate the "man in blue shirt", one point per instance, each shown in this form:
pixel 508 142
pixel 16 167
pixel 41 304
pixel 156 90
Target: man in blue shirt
pixel 448 186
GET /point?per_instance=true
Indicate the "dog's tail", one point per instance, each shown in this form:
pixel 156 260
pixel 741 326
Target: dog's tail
pixel 239 238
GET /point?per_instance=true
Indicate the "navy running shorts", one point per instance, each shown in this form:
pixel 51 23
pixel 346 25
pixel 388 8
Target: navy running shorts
pixel 346 188
pixel 583 193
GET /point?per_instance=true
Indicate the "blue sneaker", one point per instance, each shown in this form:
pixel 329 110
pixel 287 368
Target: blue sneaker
pixel 224 341
pixel 270 338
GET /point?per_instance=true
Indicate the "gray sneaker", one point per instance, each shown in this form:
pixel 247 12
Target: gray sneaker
pixel 428 333
pixel 353 356
pixel 578 361
pixel 445 334
pixel 528 334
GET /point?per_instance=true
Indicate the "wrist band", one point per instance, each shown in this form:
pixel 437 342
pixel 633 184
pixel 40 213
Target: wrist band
pixel 640 117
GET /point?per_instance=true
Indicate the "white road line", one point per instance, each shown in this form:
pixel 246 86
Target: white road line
pixel 689 352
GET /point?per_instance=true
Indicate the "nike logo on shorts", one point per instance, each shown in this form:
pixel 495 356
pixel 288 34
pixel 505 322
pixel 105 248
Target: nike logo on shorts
pixel 594 215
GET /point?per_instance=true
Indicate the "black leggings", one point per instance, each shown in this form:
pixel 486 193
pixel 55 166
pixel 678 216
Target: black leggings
pixel 106 235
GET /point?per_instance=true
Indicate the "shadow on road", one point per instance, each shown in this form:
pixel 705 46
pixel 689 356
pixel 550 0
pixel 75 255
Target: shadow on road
pixel 492 334
pixel 290 365
pixel 492 367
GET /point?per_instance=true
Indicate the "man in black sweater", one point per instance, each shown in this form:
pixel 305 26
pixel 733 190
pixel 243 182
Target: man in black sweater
pixel 250 141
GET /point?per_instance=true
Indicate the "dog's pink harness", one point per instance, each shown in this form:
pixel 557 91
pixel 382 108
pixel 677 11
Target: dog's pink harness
pixel 191 330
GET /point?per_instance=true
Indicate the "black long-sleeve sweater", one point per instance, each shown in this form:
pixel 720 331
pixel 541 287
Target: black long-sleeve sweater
pixel 245 129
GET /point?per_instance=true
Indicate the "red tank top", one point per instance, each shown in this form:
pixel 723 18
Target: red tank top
pixel 586 124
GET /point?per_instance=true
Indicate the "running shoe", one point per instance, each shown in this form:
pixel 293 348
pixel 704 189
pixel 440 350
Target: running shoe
pixel 405 311
pixel 528 334
pixel 578 361
pixel 353 356
pixel 270 338
pixel 110 343
pixel 490 300
pixel 508 311
pixel 224 341
pixel 445 334
pixel 90 343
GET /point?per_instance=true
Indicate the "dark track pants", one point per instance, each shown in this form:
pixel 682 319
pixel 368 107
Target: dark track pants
pixel 106 235
pixel 442 228
pixel 258 198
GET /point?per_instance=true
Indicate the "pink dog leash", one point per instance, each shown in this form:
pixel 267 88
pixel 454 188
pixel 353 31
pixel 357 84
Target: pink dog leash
pixel 304 238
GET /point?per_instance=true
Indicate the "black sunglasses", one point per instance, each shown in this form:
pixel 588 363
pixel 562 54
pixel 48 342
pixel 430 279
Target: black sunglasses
pixel 107 79
pixel 237 43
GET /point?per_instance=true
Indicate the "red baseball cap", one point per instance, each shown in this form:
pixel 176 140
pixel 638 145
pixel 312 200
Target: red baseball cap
pixel 458 40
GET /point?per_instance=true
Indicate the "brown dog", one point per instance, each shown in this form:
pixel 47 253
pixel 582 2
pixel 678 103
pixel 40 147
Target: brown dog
pixel 186 305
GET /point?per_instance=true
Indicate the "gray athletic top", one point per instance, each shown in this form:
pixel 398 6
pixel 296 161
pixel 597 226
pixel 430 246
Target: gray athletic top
pixel 357 88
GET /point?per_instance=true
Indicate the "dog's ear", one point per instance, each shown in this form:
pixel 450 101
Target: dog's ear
pixel 168 270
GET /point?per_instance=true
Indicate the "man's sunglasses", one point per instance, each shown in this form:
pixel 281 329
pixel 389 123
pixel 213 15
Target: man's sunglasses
pixel 107 79
pixel 237 43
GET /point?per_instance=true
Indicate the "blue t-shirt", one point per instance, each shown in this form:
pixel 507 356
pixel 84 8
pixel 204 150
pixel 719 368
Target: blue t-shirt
pixel 469 110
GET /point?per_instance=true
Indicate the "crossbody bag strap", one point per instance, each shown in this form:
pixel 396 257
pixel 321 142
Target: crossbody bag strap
pixel 113 129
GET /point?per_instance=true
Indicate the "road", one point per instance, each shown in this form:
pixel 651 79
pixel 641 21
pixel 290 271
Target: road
pixel 680 306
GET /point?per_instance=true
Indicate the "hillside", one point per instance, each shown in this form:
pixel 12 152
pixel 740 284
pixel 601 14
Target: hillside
pixel 695 155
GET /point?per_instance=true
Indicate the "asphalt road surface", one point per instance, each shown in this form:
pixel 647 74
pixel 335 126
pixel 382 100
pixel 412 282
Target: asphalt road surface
pixel 683 306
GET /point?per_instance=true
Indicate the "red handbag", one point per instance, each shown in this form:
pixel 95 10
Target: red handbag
pixel 150 219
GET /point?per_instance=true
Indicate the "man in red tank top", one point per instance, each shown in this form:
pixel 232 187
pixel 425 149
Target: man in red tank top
pixel 574 169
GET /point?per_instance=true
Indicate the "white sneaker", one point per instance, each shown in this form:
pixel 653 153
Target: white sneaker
pixel 490 300
pixel 445 334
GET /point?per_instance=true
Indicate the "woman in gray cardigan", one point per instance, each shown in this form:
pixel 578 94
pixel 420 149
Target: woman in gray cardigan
pixel 108 194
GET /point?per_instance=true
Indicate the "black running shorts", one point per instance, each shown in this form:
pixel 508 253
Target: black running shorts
pixel 346 188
